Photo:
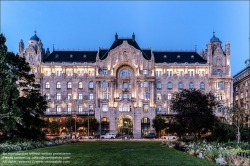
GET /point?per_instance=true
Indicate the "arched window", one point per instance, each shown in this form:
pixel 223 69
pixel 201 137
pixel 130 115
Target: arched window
pixel 158 85
pixel 47 85
pixel 58 85
pixel 125 72
pixel 91 85
pixel 80 85
pixel 104 84
pixel 218 72
pixel 202 85
pixel 69 86
pixel 145 126
pixel 180 85
pixel 191 85
pixel 170 85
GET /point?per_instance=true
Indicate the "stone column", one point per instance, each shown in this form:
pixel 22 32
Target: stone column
pixel 152 94
pixel 137 93
pixel 97 93
pixel 111 97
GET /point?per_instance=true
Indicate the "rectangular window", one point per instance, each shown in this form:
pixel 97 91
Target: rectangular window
pixel 181 73
pixel 105 72
pixel 80 96
pixel 91 96
pixel 220 85
pixel 69 108
pixel 236 97
pixel 167 73
pixel 170 74
pixel 158 96
pixel 145 84
pixel 192 73
pixel 58 108
pixel 58 96
pixel 169 96
pixel 125 108
pixel 145 71
pixel 158 73
pixel 91 108
pixel 145 108
pixel 47 96
pixel 158 108
pixel 69 96
pixel 80 108
pixel 104 107
pixel 241 95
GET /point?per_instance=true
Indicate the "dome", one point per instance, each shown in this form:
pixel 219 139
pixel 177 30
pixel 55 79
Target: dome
pixel 35 38
pixel 214 38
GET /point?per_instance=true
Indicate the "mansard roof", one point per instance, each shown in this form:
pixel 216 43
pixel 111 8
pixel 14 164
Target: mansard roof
pixel 71 56
pixel 159 56
pixel 178 57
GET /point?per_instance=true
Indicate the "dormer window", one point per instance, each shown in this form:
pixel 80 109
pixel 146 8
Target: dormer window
pixel 71 56
pixel 164 56
pixel 84 56
pixel 178 56
pixel 192 56
pixel 57 56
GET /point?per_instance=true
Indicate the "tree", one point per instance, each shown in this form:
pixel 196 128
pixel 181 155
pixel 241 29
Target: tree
pixel 30 102
pixel 195 111
pixel 237 117
pixel 71 123
pixel 93 124
pixel 53 127
pixel 9 112
pixel 159 124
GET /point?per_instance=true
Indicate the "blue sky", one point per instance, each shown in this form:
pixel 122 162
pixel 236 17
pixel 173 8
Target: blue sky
pixel 162 25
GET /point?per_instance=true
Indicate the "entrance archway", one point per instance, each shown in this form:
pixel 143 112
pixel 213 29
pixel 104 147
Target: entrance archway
pixel 125 124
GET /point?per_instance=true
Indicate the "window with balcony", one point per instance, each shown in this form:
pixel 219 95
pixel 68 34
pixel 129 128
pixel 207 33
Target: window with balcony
pixel 58 96
pixel 80 85
pixel 58 108
pixel 104 107
pixel 80 96
pixel 180 85
pixel 145 108
pixel 58 85
pixel 158 85
pixel 69 85
pixel 125 108
pixel 191 85
pixel 202 85
pixel 91 85
pixel 170 86
pixel 80 108
pixel 47 85
pixel 69 108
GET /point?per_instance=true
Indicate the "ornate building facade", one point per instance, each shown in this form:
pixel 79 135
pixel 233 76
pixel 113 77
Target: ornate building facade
pixel 125 87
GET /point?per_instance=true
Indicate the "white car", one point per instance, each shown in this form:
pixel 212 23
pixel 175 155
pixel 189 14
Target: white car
pixel 65 135
pixel 108 136
pixel 169 137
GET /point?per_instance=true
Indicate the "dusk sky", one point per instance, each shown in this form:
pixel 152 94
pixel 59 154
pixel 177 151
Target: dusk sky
pixel 162 25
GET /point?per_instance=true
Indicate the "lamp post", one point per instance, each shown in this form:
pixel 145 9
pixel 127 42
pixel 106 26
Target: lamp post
pixel 88 124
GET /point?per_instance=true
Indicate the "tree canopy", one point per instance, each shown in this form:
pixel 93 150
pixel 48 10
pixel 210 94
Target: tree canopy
pixel 93 124
pixel 195 111
pixel 159 123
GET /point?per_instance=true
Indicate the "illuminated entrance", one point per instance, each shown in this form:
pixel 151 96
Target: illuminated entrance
pixel 125 124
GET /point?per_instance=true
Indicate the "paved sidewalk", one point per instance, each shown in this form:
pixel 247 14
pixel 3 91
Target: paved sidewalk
pixel 159 140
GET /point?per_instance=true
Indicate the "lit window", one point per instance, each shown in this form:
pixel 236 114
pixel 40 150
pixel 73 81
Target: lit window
pixel 158 108
pixel 58 85
pixel 236 88
pixel 58 96
pixel 241 95
pixel 170 86
pixel 202 85
pixel 91 96
pixel 47 85
pixel 80 85
pixel 91 85
pixel 58 108
pixel 125 85
pixel 236 97
pixel 69 108
pixel 180 85
pixel 191 85
pixel 91 108
pixel 69 96
pixel 145 108
pixel 69 85
pixel 80 96
pixel 104 84
pixel 145 71
pixel 169 96
pixel 145 84
pixel 219 96
pixel 158 73
pixel 158 96
pixel 158 85
pixel 247 106
pixel 104 107
pixel 125 108
pixel 47 96
pixel 80 108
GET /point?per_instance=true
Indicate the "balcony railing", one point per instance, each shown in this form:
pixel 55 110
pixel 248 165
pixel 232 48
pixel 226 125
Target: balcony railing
pixel 71 113
pixel 165 113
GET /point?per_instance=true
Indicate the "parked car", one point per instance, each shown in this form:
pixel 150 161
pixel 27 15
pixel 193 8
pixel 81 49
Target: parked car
pixel 118 135
pixel 97 136
pixel 150 135
pixel 108 136
pixel 189 137
pixel 67 135
pixel 126 136
pixel 169 137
